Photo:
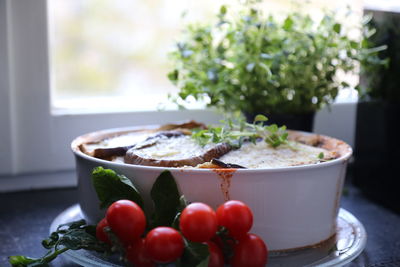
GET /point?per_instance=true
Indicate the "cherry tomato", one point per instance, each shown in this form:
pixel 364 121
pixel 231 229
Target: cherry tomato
pixel 236 217
pixel 100 233
pixel 198 222
pixel 251 251
pixel 137 254
pixel 164 244
pixel 216 256
pixel 127 220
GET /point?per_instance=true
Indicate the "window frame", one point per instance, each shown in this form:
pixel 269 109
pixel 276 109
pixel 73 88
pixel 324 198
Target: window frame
pixel 5 97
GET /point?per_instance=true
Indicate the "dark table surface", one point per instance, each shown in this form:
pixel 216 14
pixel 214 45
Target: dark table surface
pixel 25 218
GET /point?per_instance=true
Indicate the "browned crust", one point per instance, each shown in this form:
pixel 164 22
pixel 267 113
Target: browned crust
pixel 335 146
pixel 185 125
pixel 207 165
pixel 97 137
pixel 131 157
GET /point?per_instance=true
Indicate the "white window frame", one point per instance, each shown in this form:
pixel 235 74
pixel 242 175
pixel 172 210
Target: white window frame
pixel 34 144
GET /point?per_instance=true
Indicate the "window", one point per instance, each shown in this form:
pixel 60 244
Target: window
pixel 35 138
pixel 113 54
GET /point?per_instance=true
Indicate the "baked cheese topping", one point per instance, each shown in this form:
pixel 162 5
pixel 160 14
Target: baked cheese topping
pixel 173 148
pixel 262 155
pixel 252 156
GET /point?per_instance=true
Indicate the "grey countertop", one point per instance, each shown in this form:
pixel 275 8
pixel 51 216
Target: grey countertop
pixel 25 218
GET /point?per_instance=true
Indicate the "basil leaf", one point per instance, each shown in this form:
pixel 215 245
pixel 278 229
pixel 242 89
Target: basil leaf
pixel 182 206
pixel 111 187
pixel 166 199
pixel 195 254
pixel 80 239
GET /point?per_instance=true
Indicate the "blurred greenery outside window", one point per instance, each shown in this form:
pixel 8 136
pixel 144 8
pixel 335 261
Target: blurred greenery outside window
pixel 112 55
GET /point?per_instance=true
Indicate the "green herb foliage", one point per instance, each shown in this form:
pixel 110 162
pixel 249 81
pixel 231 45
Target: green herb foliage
pixel 111 187
pixel 166 199
pixel 227 242
pixel 74 236
pixel 168 205
pixel 253 63
pixel 195 254
pixel 183 204
pixel 383 81
pixel 235 133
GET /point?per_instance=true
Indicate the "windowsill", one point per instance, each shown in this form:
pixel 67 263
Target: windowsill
pixel 124 104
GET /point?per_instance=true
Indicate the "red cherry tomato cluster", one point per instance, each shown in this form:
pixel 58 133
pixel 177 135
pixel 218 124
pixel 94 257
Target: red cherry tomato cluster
pixel 127 221
pixel 198 223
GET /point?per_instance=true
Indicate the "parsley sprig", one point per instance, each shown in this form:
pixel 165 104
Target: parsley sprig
pixel 70 236
pixel 235 133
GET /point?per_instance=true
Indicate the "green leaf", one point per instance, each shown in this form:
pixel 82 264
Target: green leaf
pixel 111 187
pixel 51 241
pixel 288 23
pixel 74 235
pixel 222 10
pixel 345 84
pixel 23 261
pixel 367 18
pixel 183 203
pixel 166 199
pixel 173 75
pixel 80 239
pixel 354 44
pixel 321 155
pixel 228 242
pixel 195 254
pixel 260 117
pixel 337 27
pixel 204 263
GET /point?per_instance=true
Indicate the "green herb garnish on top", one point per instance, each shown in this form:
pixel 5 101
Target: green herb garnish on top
pixel 235 133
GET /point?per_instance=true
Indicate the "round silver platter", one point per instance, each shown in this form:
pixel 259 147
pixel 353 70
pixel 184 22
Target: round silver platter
pixel 349 242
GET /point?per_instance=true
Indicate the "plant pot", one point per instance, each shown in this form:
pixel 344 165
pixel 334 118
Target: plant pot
pixel 376 154
pixel 301 122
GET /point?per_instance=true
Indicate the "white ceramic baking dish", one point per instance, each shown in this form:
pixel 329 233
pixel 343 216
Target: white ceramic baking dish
pixel 294 207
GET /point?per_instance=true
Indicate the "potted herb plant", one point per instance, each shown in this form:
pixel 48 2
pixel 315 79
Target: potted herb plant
pixel 256 64
pixel 376 153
